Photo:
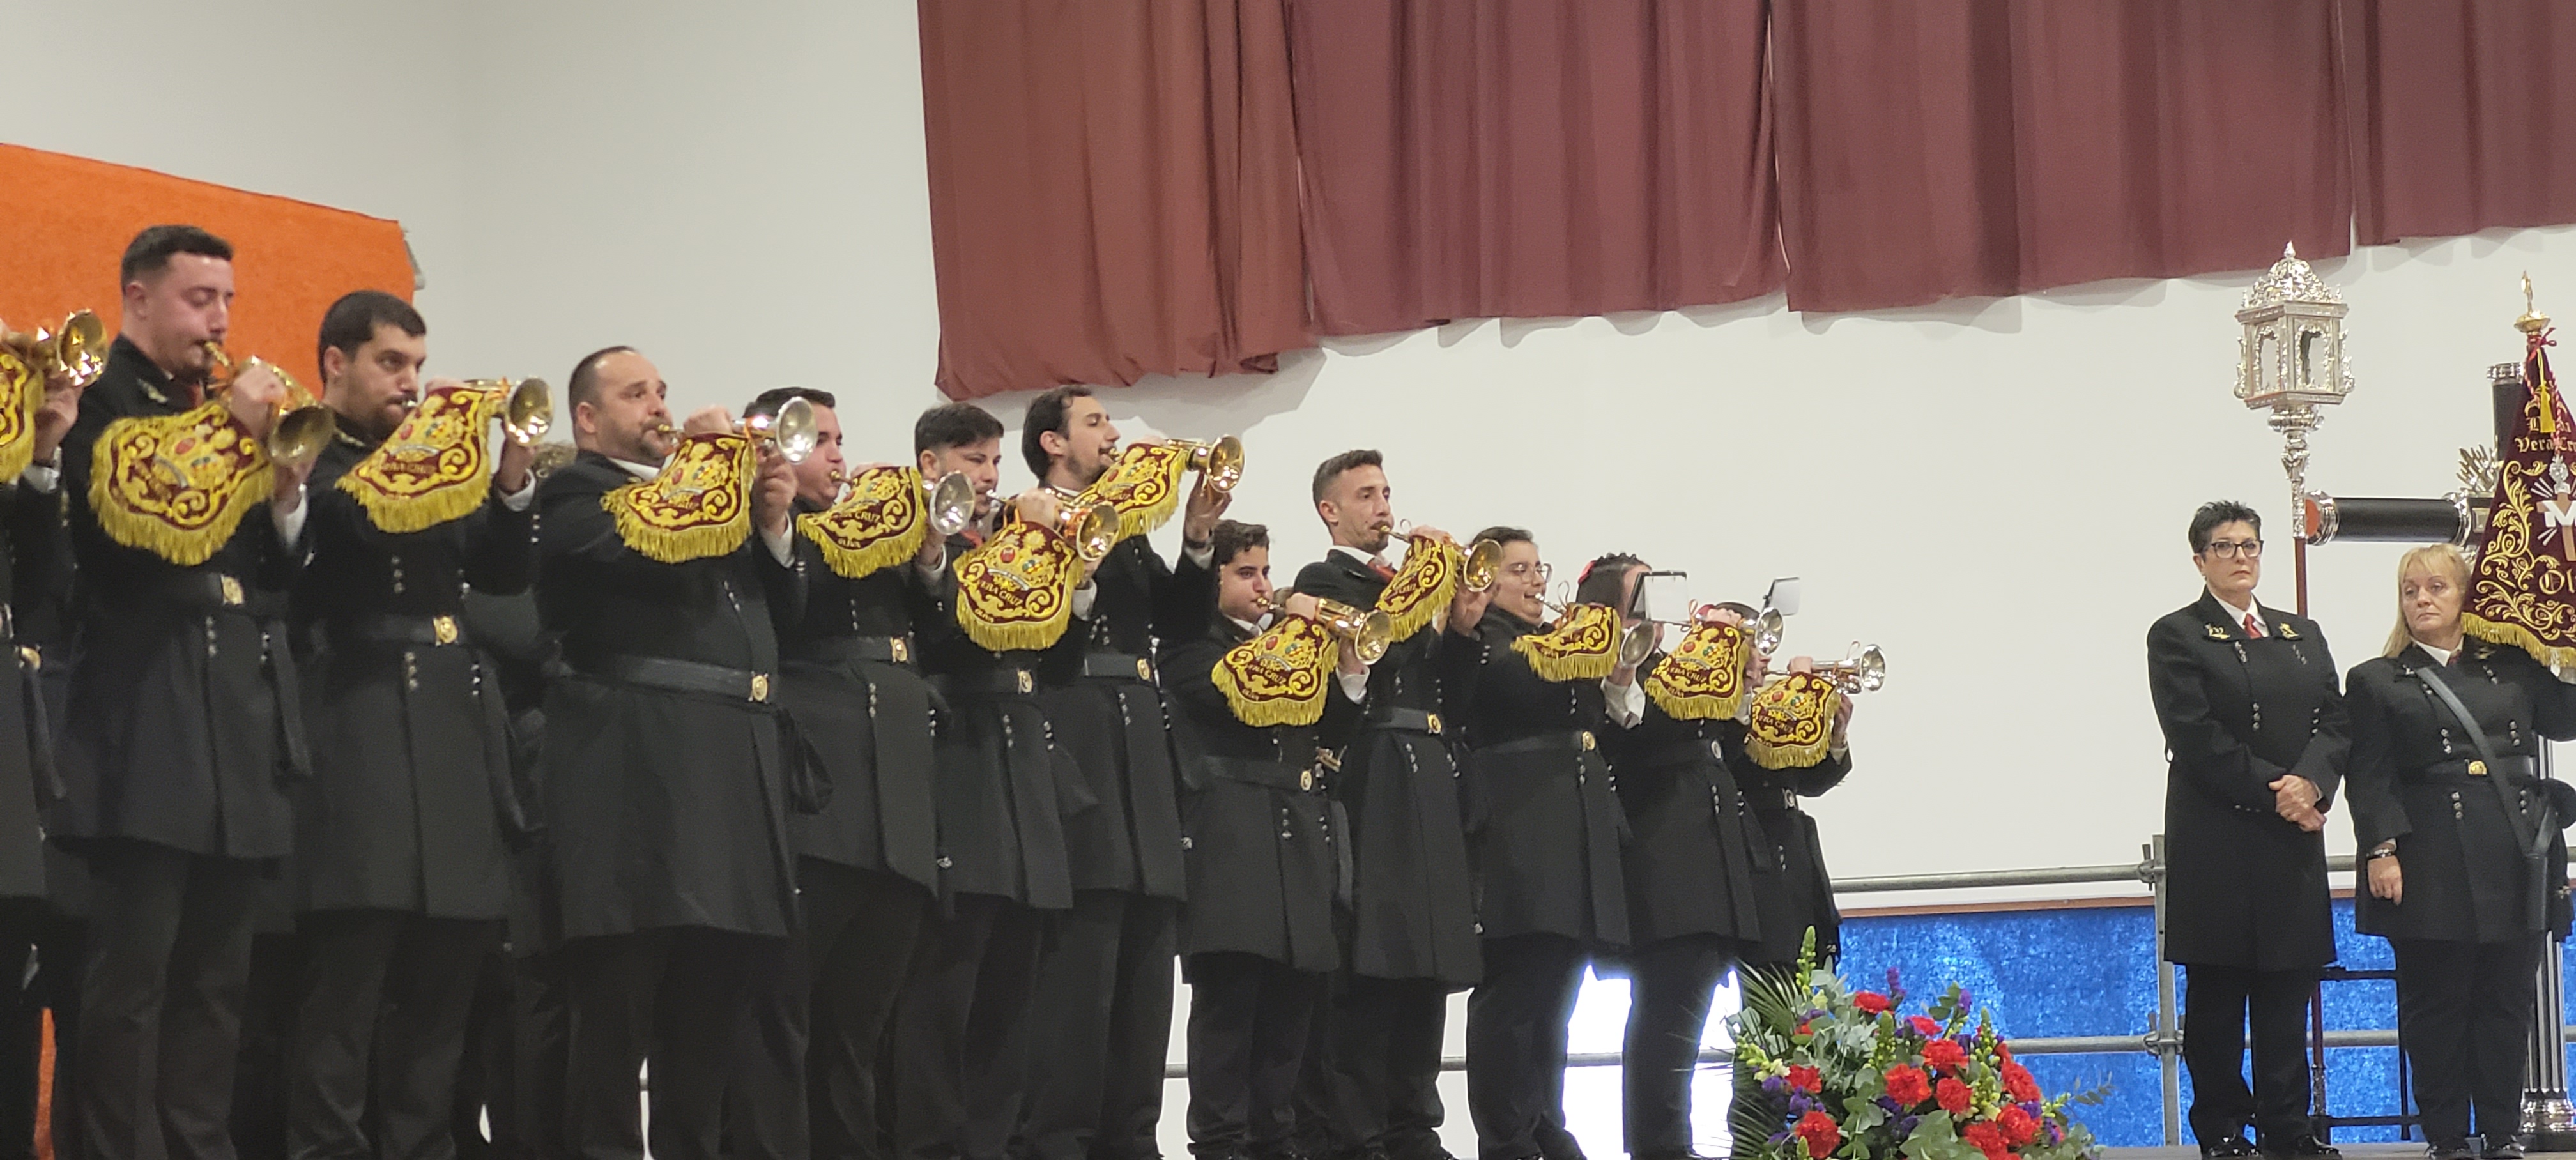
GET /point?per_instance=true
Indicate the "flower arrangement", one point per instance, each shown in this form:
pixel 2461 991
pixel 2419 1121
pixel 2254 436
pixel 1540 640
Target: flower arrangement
pixel 1825 1071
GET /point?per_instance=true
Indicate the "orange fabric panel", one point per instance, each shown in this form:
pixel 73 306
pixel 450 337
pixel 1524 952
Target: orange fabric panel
pixel 68 220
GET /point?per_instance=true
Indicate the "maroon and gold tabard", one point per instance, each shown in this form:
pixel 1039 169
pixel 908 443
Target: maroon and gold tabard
pixel 1703 677
pixel 1792 721
pixel 1421 590
pixel 1280 676
pixel 882 521
pixel 1144 484
pixel 1015 591
pixel 435 467
pixel 22 394
pixel 699 506
pixel 178 485
pixel 1583 645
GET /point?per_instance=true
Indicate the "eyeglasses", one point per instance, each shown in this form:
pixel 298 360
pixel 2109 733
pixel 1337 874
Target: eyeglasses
pixel 1525 571
pixel 2226 549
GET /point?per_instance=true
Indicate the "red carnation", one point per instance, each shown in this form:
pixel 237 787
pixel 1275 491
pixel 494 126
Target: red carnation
pixel 1870 1001
pixel 1944 1055
pixel 1806 1079
pixel 2019 1084
pixel 1907 1085
pixel 2018 1126
pixel 1987 1138
pixel 1923 1026
pixel 2003 1052
pixel 1821 1133
pixel 1953 1096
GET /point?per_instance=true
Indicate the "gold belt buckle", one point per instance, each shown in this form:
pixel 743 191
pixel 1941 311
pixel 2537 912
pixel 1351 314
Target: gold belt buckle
pixel 901 650
pixel 1144 670
pixel 443 629
pixel 2477 768
pixel 1431 723
pixel 1025 683
pixel 231 589
pixel 1306 779
pixel 1587 741
pixel 760 686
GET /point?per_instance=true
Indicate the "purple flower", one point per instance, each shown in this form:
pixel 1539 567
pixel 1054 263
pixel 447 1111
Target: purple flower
pixel 1903 1126
pixel 1775 1086
pixel 2032 1107
pixel 2054 1135
pixel 1800 1104
pixel 1815 1013
pixel 1967 1001
pixel 1889 1103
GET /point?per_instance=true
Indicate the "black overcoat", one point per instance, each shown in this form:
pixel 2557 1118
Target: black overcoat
pixel 2460 836
pixel 1792 893
pixel 35 578
pixel 1109 715
pixel 181 725
pixel 1412 903
pixel 2244 887
pixel 663 808
pixel 412 791
pixel 1545 832
pixel 1690 869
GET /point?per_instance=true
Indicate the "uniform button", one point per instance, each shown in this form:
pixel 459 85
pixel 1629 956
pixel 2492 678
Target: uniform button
pixel 944 863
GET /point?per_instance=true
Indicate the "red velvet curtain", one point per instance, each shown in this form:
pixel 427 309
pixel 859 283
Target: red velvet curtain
pixel 2464 115
pixel 1947 148
pixel 1113 190
pixel 1531 158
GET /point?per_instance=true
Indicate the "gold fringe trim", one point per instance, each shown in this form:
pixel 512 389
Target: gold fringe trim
pixel 1145 486
pixel 1792 755
pixel 852 563
pixel 397 514
pixel 2515 635
pixel 1280 676
pixel 216 486
pixel 674 545
pixel 1585 647
pixel 1422 589
pixel 22 395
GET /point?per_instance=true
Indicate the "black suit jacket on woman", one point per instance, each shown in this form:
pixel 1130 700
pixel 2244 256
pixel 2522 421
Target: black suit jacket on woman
pixel 2246 887
pixel 2459 841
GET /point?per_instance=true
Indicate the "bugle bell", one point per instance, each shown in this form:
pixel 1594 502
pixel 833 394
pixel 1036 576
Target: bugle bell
pixel 1763 628
pixel 1091 528
pixel 1484 559
pixel 950 503
pixel 527 408
pixel 1863 670
pixel 1219 462
pixel 1368 631
pixel 1636 639
pixel 792 429
pixel 77 352
pixel 301 425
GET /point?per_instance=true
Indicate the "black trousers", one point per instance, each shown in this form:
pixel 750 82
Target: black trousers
pixel 2464 1015
pixel 1671 987
pixel 831 1017
pixel 267 1028
pixel 381 1007
pixel 1101 1030
pixel 62 964
pixel 1249 1018
pixel 22 1026
pixel 960 1030
pixel 541 1062
pixel 487 1076
pixel 2218 1004
pixel 1375 1084
pixel 674 998
pixel 161 1002
pixel 1516 1033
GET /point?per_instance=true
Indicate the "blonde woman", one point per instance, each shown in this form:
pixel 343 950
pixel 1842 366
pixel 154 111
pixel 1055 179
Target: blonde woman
pixel 2461 848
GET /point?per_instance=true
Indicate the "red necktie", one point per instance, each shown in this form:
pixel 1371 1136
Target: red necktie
pixel 1383 572
pixel 2253 627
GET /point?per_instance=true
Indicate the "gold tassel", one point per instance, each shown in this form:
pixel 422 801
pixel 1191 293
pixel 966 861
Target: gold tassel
pixel 697 507
pixel 852 563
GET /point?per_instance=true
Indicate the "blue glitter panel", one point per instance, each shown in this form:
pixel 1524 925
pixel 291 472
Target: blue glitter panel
pixel 2091 971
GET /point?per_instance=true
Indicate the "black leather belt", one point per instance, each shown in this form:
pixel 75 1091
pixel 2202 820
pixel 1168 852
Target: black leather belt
pixel 1775 798
pixel 444 628
pixel 679 676
pixel 1574 740
pixel 1004 681
pixel 1683 753
pixel 1409 720
pixel 217 592
pixel 893 650
pixel 1121 666
pixel 1273 774
pixel 2469 772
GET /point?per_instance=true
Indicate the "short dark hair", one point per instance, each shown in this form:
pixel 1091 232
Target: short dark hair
pixel 768 402
pixel 1233 538
pixel 1047 413
pixel 1502 534
pixel 1601 578
pixel 1348 461
pixel 2218 513
pixel 583 386
pixel 353 320
pixel 953 425
pixel 150 251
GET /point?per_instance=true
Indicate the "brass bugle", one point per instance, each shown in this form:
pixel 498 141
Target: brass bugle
pixel 1636 641
pixel 1091 528
pixel 301 425
pixel 527 408
pixel 792 429
pixel 1219 461
pixel 77 351
pixel 949 502
pixel 1863 670
pixel 1484 559
pixel 1369 632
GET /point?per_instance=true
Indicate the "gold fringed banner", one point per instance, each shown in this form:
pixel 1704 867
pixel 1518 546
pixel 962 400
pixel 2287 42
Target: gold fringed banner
pixel 1422 589
pixel 882 521
pixel 1702 679
pixel 699 506
pixel 435 467
pixel 177 485
pixel 1791 724
pixel 1144 483
pixel 1280 676
pixel 1584 646
pixel 22 394
pixel 1016 590
pixel 2521 591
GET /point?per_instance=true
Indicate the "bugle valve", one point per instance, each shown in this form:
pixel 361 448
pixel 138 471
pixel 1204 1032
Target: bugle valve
pixel 1484 558
pixel 1368 632
pixel 301 426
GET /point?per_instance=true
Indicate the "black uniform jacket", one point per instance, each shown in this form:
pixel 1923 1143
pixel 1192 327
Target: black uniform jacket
pixel 1266 854
pixel 664 808
pixel 853 680
pixel 1413 906
pixel 411 790
pixel 181 725
pixel 1792 893
pixel 1544 826
pixel 1002 789
pixel 1690 868
pixel 519 654
pixel 35 578
pixel 2245 887
pixel 2461 836
pixel 1108 713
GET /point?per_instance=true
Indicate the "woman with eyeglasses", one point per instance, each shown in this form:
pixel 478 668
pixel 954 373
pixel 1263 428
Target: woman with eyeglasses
pixel 2461 848
pixel 1544 836
pixel 2255 740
